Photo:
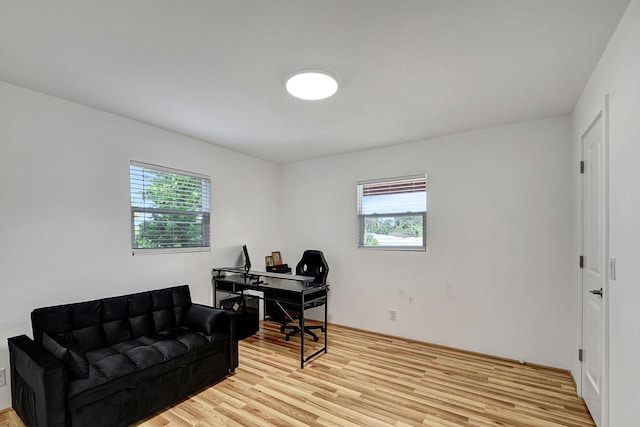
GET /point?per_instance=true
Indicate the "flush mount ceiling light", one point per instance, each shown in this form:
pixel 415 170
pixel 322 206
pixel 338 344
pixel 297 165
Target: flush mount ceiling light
pixel 312 85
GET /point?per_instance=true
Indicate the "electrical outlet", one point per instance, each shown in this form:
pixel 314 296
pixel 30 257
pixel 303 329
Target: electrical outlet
pixel 3 378
pixel 392 315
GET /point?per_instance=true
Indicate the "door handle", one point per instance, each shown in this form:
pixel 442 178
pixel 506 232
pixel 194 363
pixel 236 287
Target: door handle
pixel 597 292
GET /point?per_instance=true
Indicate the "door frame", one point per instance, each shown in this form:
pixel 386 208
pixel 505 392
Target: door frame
pixel 603 114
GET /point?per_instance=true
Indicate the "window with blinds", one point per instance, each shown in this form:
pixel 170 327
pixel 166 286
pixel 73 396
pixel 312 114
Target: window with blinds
pixel 392 213
pixel 169 210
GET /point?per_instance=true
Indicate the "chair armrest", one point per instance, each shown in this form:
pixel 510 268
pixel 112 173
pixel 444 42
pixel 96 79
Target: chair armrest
pixel 38 383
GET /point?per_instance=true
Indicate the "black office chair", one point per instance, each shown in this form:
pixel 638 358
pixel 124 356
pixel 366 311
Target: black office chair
pixel 311 264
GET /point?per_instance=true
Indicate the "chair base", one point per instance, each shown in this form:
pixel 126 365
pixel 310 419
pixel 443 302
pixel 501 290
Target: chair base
pixel 295 329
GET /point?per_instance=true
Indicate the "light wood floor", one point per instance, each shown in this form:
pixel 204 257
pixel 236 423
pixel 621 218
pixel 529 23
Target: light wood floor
pixel 372 380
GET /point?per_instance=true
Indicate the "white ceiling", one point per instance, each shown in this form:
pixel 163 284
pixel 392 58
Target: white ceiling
pixel 215 69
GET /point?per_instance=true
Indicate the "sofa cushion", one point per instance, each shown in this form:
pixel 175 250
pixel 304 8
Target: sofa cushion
pixel 140 316
pixel 164 315
pixel 69 354
pixel 115 320
pixel 86 321
pixel 105 322
pixel 128 363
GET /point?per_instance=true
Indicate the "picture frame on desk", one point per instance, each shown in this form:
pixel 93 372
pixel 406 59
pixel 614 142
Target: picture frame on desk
pixel 277 258
pixel 268 261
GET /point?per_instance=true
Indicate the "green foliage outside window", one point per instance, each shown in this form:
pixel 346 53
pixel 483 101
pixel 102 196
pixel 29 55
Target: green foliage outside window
pixel 169 210
pixel 403 226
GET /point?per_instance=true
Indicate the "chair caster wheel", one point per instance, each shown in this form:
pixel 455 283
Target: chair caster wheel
pixel 286 338
pixel 315 339
pixel 323 329
pixel 281 329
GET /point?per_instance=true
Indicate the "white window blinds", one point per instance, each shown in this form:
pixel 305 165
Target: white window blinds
pixel 170 209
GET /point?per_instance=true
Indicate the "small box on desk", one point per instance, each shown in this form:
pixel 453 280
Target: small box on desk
pixel 246 310
pixel 284 268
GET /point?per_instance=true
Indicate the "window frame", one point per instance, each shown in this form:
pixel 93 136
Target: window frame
pixel 205 212
pixel 360 186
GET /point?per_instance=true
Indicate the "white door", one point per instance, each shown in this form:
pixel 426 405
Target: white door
pixel 594 271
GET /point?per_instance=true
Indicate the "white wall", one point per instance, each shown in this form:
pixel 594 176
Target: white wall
pixel 64 213
pixel 618 74
pixel 496 275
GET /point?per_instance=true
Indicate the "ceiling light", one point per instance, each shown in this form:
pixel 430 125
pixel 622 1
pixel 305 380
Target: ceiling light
pixel 312 84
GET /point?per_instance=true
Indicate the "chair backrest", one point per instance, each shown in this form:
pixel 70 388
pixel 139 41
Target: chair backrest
pixel 313 264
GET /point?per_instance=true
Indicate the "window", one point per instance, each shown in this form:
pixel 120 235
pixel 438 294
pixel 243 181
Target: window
pixel 392 213
pixel 169 210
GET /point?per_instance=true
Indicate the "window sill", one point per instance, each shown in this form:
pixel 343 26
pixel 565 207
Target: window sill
pixel 168 251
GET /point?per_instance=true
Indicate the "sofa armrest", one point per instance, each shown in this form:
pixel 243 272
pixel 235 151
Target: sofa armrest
pixel 38 383
pixel 217 324
pixel 207 320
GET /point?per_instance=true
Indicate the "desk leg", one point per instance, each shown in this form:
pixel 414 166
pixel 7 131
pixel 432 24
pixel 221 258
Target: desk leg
pixel 302 331
pixel 215 290
pixel 326 331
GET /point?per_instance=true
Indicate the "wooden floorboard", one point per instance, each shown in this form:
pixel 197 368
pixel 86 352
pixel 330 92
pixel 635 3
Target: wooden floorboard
pixel 368 379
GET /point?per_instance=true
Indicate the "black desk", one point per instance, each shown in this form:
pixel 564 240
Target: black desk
pixel 291 290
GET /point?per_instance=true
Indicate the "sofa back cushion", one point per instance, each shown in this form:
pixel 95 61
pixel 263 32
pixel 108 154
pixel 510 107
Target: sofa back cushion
pixel 105 322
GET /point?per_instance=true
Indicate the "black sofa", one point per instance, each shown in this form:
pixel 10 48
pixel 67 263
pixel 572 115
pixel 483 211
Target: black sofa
pixel 114 361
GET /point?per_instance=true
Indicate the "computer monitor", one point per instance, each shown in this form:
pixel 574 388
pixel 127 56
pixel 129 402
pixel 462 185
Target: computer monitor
pixel 247 261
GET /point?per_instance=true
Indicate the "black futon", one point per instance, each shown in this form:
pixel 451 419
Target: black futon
pixel 114 361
